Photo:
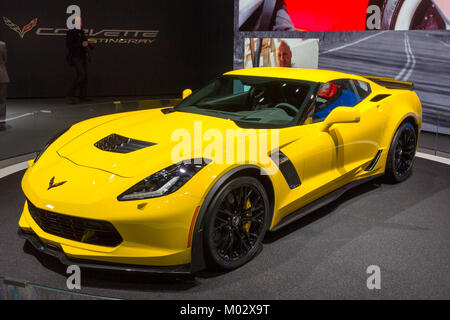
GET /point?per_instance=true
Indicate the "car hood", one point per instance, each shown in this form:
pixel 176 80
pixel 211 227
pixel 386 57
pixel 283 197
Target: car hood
pixel 152 126
pixel 161 131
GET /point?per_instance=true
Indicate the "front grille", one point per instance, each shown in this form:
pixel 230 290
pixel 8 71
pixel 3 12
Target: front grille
pixel 119 144
pixel 90 231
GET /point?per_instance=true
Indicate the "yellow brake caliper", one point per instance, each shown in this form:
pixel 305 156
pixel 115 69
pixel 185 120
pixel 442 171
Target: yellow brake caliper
pixel 247 224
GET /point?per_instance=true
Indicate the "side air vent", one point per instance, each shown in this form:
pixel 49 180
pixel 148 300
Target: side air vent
pixel 374 161
pixel 287 169
pixel 379 97
pixel 119 144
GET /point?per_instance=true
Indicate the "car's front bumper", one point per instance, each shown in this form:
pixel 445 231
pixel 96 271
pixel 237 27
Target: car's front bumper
pixel 57 252
pixel 146 245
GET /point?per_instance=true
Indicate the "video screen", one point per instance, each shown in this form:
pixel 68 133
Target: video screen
pixel 272 52
pixel 419 57
pixel 334 15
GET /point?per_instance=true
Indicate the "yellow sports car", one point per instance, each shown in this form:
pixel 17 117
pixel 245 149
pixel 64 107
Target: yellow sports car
pixel 178 189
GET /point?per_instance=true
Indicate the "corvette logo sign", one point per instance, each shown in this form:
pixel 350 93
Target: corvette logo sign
pixel 17 29
pixel 107 36
pixel 95 36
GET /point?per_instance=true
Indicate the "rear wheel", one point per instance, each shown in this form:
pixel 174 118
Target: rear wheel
pixel 236 223
pixel 401 153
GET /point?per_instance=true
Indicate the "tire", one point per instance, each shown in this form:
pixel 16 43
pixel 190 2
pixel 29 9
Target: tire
pixel 401 153
pixel 234 224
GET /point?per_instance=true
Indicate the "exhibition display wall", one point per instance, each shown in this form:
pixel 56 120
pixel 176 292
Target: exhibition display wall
pixel 140 47
pixel 158 49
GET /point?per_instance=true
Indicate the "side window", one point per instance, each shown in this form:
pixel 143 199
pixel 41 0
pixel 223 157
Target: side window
pixel 333 94
pixel 363 88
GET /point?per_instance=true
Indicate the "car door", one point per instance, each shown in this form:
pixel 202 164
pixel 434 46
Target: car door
pixel 311 152
pixel 325 160
pixel 312 155
pixel 357 144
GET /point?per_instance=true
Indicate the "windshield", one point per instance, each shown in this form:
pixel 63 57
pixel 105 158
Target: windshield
pixel 253 102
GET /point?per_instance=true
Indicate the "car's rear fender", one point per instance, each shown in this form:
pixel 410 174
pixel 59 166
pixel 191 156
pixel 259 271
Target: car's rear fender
pixel 400 106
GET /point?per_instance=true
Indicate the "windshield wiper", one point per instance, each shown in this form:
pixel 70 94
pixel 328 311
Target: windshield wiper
pixel 250 118
pixel 168 110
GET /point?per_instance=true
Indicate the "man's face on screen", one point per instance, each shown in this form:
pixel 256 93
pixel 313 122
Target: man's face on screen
pixel 284 55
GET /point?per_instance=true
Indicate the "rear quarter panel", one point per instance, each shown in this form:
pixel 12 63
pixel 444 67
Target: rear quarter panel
pixel 402 104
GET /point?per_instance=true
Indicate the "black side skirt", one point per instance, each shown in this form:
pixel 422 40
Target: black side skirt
pixel 316 204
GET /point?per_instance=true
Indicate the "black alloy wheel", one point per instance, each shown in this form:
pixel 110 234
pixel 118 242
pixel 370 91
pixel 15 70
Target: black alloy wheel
pixel 401 153
pixel 236 223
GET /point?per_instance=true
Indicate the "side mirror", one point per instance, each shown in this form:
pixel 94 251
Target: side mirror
pixel 341 115
pixel 186 93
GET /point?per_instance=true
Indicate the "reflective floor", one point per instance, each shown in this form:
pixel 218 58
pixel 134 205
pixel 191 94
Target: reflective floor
pixel 402 228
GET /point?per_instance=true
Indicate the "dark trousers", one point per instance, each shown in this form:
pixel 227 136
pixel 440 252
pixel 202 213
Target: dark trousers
pixel 80 82
pixel 3 87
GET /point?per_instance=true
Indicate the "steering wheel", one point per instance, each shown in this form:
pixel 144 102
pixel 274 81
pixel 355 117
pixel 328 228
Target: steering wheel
pixel 289 108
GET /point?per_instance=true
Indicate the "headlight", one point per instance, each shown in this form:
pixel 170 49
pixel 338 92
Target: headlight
pixel 165 181
pixel 53 139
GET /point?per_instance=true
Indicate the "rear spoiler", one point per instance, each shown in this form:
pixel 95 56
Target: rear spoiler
pixel 390 83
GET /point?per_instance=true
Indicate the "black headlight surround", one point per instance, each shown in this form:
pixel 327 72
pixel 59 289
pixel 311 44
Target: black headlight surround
pixel 165 181
pixel 49 142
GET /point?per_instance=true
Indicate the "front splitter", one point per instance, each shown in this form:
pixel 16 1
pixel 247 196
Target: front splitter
pixel 58 253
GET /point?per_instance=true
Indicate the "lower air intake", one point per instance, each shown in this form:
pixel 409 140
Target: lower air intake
pixel 97 232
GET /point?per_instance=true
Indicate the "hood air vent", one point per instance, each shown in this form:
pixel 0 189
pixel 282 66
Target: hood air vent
pixel 119 144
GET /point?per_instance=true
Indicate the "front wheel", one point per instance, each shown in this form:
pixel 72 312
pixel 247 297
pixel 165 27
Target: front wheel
pixel 236 223
pixel 401 153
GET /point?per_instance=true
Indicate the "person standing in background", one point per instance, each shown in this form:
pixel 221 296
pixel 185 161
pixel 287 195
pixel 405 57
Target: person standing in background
pixel 78 46
pixel 4 80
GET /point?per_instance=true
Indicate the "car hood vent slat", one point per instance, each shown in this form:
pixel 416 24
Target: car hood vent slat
pixel 120 144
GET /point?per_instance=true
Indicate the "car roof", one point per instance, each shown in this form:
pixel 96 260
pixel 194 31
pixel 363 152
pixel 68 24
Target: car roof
pixel 316 75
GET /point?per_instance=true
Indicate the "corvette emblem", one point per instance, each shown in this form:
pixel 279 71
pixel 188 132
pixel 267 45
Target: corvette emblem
pixel 54 185
pixel 17 29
